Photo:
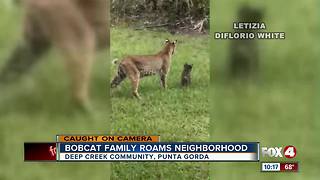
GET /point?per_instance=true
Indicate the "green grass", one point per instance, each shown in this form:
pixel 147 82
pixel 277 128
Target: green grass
pixel 38 107
pixel 279 108
pixel 175 114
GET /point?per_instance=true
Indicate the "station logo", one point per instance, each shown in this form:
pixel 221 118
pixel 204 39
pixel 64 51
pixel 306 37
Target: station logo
pixel 279 152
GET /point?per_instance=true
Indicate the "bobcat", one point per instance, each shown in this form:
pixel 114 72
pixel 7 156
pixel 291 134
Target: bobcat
pixel 186 75
pixel 136 67
pixel 76 27
pixel 244 54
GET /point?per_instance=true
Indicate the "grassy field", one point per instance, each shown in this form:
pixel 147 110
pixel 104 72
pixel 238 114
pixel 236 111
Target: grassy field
pixel 279 108
pixel 38 107
pixel 176 114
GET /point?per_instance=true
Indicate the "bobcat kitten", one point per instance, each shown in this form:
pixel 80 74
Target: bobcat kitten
pixel 244 53
pixel 186 75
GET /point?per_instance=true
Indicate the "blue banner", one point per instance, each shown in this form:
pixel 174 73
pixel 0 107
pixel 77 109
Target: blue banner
pixel 183 147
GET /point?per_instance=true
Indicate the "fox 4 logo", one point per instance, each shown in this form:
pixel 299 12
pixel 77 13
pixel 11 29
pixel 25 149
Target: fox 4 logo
pixel 276 152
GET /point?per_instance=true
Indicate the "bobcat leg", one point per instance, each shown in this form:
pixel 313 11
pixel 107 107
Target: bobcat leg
pixel 79 69
pixel 163 80
pixel 21 61
pixel 135 78
pixel 71 34
pixel 28 53
pixel 79 64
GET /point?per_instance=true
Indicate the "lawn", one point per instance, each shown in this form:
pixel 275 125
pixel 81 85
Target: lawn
pixel 176 114
pixel 278 108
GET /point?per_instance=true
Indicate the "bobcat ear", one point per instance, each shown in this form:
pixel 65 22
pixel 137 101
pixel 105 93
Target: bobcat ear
pixel 175 41
pixel 167 40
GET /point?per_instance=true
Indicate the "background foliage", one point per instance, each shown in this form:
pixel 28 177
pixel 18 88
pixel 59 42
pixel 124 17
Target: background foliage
pixel 183 14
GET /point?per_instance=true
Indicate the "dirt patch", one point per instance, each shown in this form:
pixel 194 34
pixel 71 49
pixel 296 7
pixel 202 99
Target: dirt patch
pixel 181 26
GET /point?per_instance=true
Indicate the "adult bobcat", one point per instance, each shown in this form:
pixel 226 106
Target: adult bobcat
pixel 76 27
pixel 136 67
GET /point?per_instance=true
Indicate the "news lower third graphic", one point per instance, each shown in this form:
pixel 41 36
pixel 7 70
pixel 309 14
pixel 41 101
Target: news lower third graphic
pixel 138 148
pixel 106 148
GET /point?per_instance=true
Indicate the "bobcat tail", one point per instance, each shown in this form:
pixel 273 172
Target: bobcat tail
pixel 115 61
pixel 121 75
